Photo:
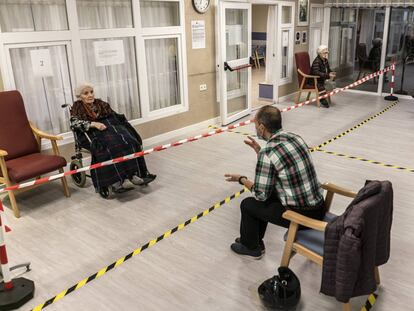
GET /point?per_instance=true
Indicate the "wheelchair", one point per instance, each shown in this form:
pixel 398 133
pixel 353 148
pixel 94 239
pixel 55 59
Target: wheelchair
pixel 79 179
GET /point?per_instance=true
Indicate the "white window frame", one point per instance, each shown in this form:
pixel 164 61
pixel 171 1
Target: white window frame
pixel 291 28
pixel 315 25
pixel 73 37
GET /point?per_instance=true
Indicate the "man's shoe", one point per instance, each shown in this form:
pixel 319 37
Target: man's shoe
pixel 240 249
pixel 148 178
pixel 324 103
pixel 261 245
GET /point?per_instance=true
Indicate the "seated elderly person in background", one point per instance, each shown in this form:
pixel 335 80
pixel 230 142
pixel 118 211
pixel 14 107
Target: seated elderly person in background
pixel 374 57
pixel 320 67
pixel 107 135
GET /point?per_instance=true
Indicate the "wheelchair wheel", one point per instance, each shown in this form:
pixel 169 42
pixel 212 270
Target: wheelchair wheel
pixel 79 178
pixel 106 192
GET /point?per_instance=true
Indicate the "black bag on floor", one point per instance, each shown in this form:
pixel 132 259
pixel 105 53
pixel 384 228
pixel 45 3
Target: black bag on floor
pixel 281 292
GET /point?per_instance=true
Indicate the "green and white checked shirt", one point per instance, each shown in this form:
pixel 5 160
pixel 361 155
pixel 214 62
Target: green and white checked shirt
pixel 285 167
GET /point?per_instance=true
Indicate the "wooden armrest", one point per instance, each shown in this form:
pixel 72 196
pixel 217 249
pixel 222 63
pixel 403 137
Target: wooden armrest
pixel 305 221
pixel 307 76
pixel 339 190
pixel 41 134
pixel 3 153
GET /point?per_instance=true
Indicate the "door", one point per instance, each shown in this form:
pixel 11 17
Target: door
pixel 234 50
pixel 316 26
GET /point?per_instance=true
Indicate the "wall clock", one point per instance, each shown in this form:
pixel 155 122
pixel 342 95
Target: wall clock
pixel 201 6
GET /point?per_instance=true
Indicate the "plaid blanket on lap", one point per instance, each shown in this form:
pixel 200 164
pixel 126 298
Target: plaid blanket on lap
pixel 119 139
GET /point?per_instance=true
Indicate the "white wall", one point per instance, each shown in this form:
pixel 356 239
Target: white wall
pixel 259 18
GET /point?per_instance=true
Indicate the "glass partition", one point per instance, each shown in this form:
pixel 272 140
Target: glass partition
pixel 400 47
pixel 355 45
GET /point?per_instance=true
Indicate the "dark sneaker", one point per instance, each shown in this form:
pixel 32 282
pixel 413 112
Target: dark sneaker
pixel 148 178
pixel 261 245
pixel 324 103
pixel 240 249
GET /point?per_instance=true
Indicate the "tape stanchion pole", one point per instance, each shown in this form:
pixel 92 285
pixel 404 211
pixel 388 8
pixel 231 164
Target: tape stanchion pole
pixel 392 97
pixel 4 262
pixel 14 293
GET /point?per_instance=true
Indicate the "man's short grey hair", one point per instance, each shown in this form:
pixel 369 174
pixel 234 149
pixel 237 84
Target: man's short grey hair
pixel 321 48
pixel 79 89
pixel 270 117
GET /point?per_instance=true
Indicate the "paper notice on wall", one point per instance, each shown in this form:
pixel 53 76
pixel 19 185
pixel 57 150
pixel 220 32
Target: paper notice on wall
pixel 41 63
pixel 198 33
pixel 109 52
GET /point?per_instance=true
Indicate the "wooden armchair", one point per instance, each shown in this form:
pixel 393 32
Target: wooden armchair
pixel 258 55
pixel 307 82
pixel 20 142
pixel 309 243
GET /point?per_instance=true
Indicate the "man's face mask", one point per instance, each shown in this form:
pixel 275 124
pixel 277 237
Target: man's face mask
pixel 260 136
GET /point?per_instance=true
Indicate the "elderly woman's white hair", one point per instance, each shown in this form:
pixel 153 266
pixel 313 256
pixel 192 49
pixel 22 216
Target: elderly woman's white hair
pixel 79 89
pixel 321 48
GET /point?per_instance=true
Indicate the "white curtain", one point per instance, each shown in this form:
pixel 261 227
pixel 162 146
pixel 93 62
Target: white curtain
pixel 43 96
pixel 117 83
pixel 271 45
pixel 162 72
pixel 159 13
pixel 236 47
pixel 32 15
pixel 367 27
pixel 369 3
pixel 97 14
pixel 314 41
pixel 334 46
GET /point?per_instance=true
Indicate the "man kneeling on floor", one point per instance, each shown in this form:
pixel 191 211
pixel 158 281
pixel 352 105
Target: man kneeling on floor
pixel 285 179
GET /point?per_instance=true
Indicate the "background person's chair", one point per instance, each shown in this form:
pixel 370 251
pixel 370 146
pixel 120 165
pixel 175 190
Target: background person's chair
pixel 310 243
pixel 258 55
pixel 307 82
pixel 20 141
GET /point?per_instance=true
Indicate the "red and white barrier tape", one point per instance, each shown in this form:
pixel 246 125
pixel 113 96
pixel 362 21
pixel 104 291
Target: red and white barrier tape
pixel 338 90
pixel 187 140
pixel 124 158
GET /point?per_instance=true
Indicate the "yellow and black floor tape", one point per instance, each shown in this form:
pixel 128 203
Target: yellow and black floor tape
pixel 371 299
pixel 401 168
pixel 233 131
pixel 370 302
pixel 355 127
pixel 135 252
pixel 332 139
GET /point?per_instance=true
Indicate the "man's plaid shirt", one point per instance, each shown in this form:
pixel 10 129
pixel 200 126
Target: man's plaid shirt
pixel 285 166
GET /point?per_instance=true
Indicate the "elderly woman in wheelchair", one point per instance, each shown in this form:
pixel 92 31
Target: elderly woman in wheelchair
pixel 106 135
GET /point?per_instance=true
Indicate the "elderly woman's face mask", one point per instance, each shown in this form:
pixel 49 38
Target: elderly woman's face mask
pixel 324 54
pixel 87 96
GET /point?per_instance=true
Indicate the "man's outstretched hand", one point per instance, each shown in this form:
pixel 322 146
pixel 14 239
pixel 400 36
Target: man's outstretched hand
pixel 253 144
pixel 232 177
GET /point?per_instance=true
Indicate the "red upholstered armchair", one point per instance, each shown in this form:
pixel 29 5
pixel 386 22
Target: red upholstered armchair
pixel 20 141
pixel 307 82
